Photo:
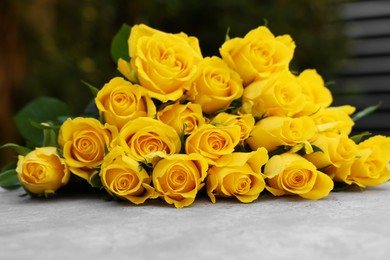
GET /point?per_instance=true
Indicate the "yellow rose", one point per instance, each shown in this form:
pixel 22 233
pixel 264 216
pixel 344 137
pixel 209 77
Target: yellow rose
pixel 212 141
pixel 272 132
pixel 120 101
pixel 42 171
pixel 145 138
pixel 335 149
pixel 258 55
pixel 334 119
pixel 280 95
pixel 179 177
pixel 182 116
pixel 215 86
pixel 164 63
pixel 317 95
pixel 123 177
pixel 245 121
pixel 371 165
pixel 83 141
pixel 237 175
pixel 289 174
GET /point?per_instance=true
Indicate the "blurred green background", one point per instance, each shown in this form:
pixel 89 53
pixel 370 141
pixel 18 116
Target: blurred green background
pixel 49 46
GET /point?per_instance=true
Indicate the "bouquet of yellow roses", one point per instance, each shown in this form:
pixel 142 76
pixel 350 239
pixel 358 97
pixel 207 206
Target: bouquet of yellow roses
pixel 177 122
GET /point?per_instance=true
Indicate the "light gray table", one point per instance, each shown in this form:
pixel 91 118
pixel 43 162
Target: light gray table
pixel 345 225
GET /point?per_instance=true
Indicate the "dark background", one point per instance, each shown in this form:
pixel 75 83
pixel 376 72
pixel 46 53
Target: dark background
pixel 48 46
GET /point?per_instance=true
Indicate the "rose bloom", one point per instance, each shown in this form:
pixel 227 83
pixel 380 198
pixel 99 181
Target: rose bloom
pixel 335 149
pixel 120 101
pixel 164 63
pixel 187 117
pixel 334 119
pixel 259 54
pixel 179 177
pixel 215 86
pixel 42 171
pixel 145 138
pixel 318 96
pixel 272 132
pixel 245 121
pixel 280 95
pixel 237 175
pixel 83 141
pixel 370 167
pixel 123 177
pixel 212 141
pixel 290 173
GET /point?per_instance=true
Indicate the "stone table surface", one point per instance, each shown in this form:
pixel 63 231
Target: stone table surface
pixel 345 225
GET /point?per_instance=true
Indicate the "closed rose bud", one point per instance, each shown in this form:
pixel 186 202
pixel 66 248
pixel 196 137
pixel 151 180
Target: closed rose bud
pixel 42 171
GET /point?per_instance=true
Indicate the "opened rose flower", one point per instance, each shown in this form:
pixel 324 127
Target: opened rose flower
pixel 334 150
pixel 246 123
pixel 335 119
pixel 259 54
pixel 237 175
pixel 83 141
pixel 184 118
pixel 145 138
pixel 370 167
pixel 163 63
pixel 291 174
pixel 275 131
pixel 178 178
pixel 317 95
pixel 123 178
pixel 280 95
pixel 213 141
pixel 215 86
pixel 120 101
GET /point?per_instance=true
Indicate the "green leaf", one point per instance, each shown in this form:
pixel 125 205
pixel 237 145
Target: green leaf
pixel 49 138
pixel 365 112
pixel 119 46
pixel 43 109
pixel 281 149
pixel 340 186
pixel 44 125
pixel 9 179
pixel 227 37
pixel 94 90
pixel 316 149
pixel 49 132
pixel 358 138
pixel 95 181
pixel 17 148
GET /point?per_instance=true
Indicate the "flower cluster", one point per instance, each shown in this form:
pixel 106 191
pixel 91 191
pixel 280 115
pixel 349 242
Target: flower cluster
pixel 234 125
